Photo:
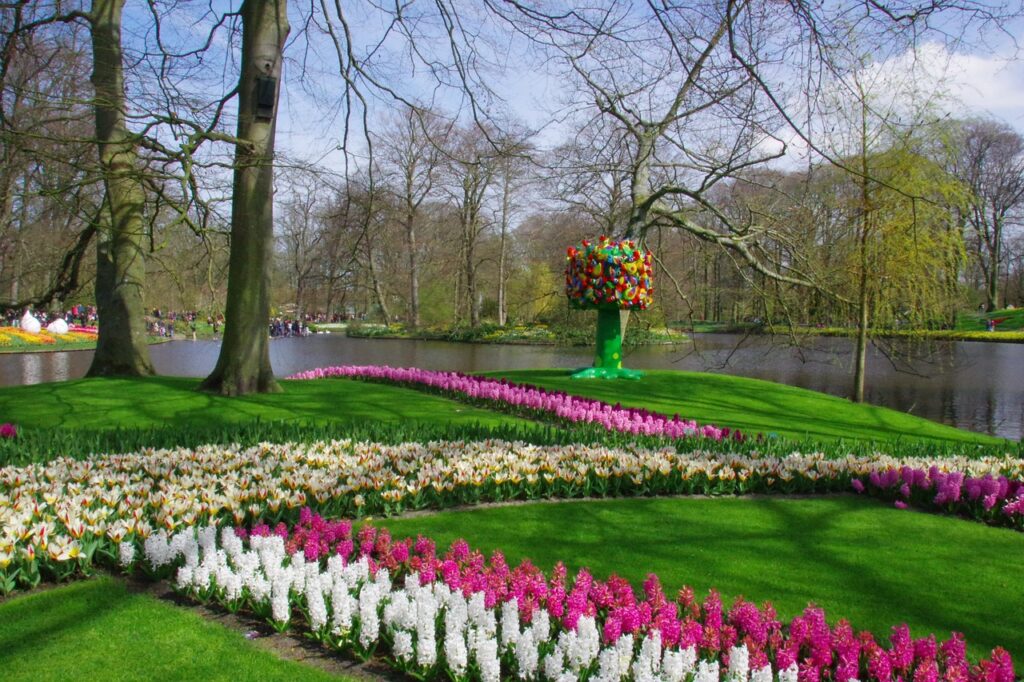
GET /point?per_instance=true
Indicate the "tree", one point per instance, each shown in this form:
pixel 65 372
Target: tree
pixel 988 157
pixel 243 365
pixel 121 348
pixel 411 154
pixel 120 271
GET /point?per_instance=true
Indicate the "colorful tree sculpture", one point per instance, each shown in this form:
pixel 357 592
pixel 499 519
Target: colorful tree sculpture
pixel 608 276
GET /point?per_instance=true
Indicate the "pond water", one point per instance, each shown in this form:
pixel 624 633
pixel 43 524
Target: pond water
pixel 976 386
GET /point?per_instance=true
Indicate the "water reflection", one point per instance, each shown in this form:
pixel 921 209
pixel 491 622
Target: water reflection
pixel 976 386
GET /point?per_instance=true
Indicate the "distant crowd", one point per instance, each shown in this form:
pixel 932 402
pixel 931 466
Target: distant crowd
pixel 168 323
pixel 77 315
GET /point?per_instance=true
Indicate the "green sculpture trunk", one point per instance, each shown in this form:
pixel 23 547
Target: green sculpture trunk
pixel 608 358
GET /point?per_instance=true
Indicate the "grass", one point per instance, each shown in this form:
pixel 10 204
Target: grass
pixel 97 629
pixel 1007 320
pixel 857 558
pixel 753 405
pixel 749 404
pixel 167 401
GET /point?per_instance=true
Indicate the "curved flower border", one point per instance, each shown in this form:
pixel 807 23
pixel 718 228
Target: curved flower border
pixel 507 395
pixel 462 616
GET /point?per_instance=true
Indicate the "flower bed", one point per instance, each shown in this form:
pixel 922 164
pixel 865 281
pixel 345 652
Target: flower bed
pixel 14 336
pixel 57 519
pixel 532 400
pixel 462 616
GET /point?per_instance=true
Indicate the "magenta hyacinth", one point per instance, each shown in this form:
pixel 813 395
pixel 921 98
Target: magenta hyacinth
pixel 554 403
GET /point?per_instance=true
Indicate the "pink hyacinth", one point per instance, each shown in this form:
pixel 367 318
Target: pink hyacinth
pixel 558 404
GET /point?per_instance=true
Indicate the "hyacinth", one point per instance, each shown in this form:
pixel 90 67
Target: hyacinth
pixel 988 496
pixel 66 504
pixel 608 274
pixel 475 610
pixel 558 404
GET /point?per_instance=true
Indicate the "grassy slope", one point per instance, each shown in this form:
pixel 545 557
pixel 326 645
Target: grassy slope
pixel 98 630
pixel 1009 320
pixel 752 405
pixel 859 559
pixel 163 401
pixel 749 404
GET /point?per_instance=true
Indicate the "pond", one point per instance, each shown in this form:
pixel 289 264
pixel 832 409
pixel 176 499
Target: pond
pixel 976 386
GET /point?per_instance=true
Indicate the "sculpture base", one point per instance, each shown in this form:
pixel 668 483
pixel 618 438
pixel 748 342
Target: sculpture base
pixel 606 373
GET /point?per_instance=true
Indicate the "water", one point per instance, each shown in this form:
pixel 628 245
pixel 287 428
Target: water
pixel 976 386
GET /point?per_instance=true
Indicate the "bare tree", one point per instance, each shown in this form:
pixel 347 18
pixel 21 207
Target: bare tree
pixel 410 157
pixel 988 157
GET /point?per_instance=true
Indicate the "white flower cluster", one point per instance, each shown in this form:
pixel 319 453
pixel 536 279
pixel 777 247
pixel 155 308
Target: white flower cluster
pixel 350 605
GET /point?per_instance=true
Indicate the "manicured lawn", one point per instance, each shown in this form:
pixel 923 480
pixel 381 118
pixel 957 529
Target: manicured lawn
pixel 1007 320
pixel 859 559
pixel 169 401
pixel 751 405
pixel 97 630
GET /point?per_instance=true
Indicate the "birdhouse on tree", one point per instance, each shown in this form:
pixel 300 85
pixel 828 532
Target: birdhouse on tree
pixel 608 276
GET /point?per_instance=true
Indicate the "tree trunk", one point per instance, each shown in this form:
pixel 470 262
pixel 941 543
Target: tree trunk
pixel 992 290
pixel 506 208
pixel 378 290
pixel 244 362
pixel 414 276
pixel 860 361
pixel 121 348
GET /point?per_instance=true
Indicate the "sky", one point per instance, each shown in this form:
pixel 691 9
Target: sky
pixel 987 81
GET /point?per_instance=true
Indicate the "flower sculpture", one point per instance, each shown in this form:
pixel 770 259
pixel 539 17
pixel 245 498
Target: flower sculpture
pixel 608 276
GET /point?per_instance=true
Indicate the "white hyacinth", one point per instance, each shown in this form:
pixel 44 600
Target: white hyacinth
pixel 526 654
pixel 739 664
pixel 280 607
pixel 126 553
pixel 156 549
pixel 647 666
pixel 487 659
pixel 553 664
pixel 315 604
pixel 509 624
pixel 608 666
pixel 403 646
pixel 624 650
pixel 455 650
pixel 762 674
pixel 707 671
pixel 183 579
pixel 426 626
pixel 369 618
pixel 343 605
pixel 790 674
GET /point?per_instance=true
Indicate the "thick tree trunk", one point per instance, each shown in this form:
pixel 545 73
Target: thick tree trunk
pixel 121 349
pixel 244 362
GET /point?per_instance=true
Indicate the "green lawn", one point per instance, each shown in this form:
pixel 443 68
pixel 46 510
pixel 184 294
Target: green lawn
pixel 858 558
pixel 749 404
pixel 167 401
pixel 98 630
pixel 1006 320
pixel 752 405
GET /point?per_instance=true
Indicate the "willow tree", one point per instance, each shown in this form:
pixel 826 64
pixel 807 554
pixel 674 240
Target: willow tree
pixel 244 362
